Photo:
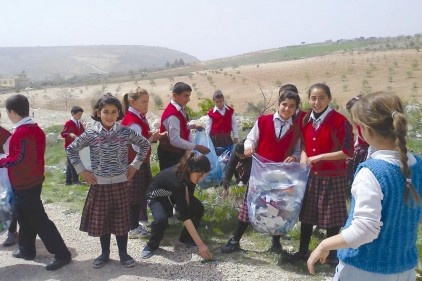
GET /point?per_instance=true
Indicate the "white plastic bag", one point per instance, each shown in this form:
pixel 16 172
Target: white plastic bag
pixel 275 194
pixel 215 176
pixel 6 199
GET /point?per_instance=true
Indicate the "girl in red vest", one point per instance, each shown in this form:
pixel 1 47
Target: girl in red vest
pixel 135 107
pixel 328 141
pixel 221 123
pixel 277 138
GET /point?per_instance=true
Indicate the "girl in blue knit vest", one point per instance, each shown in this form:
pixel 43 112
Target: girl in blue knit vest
pixel 378 241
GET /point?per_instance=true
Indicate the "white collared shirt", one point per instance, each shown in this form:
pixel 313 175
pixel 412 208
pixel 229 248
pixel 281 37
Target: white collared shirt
pixel 25 120
pixel 135 126
pixel 77 123
pixel 321 118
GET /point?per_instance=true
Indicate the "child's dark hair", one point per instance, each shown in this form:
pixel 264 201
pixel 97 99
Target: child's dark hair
pixel 289 95
pixel 76 109
pixel 133 95
pixel 382 113
pixel 19 104
pixel 218 95
pixel 288 87
pixel 352 101
pixel 192 162
pixel 106 99
pixel 320 86
pixel 181 87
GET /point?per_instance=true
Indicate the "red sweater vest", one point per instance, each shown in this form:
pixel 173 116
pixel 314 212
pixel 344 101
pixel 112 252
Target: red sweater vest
pixel 70 127
pixel 221 124
pixel 25 162
pixel 334 134
pixel 184 130
pixel 269 146
pixel 129 119
pixel 4 135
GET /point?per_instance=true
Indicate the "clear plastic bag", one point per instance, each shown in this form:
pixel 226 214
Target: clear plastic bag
pixel 275 194
pixel 215 176
pixel 6 199
pixel 224 158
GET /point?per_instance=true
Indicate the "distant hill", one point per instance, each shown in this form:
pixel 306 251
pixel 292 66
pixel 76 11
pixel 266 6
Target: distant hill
pixel 42 63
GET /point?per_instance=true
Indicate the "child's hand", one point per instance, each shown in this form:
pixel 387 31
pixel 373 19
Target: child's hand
pixel 130 172
pixel 204 252
pixel 317 254
pixel 290 159
pixel 249 151
pixel 313 159
pixel 88 177
pixel 155 136
pixel 201 148
pixel 72 135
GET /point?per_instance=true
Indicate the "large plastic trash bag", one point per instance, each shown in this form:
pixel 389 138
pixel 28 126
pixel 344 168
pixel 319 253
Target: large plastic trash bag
pixel 6 199
pixel 215 176
pixel 275 194
pixel 224 158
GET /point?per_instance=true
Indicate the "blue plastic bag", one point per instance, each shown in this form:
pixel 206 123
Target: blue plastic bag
pixel 215 176
pixel 6 199
pixel 275 194
pixel 224 158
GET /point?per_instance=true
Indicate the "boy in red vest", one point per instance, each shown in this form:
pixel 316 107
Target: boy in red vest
pixel 174 120
pixel 72 129
pixel 221 123
pixel 25 164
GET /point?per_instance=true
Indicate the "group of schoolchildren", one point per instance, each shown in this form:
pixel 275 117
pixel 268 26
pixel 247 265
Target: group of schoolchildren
pixel 378 240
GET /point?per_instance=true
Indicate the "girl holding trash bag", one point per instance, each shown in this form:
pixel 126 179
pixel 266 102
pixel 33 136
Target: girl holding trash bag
pixel 379 239
pixel 328 141
pixel 276 138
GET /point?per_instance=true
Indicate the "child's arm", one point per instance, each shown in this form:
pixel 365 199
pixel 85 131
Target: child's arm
pixel 251 140
pixel 203 249
pixel 235 129
pixel 321 252
pixel 144 147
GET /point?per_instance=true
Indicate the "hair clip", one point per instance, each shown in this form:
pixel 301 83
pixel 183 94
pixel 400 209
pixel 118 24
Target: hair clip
pixel 392 114
pixel 408 180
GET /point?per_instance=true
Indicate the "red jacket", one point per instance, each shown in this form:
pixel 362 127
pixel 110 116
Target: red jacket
pixel 4 135
pixel 184 130
pixel 334 133
pixel 70 127
pixel 25 162
pixel 129 119
pixel 221 124
pixel 269 146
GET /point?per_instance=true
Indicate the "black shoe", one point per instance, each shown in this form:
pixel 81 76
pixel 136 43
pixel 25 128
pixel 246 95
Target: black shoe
pixel 147 252
pixel 100 261
pixel 19 255
pixel 126 260
pixel 188 242
pixel 231 246
pixel 58 263
pixel 298 256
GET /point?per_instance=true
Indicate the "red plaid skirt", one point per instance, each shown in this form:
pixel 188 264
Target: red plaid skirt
pixel 139 184
pixel 324 203
pixel 243 212
pixel 221 140
pixel 107 210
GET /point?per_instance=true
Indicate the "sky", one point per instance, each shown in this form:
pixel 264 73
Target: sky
pixel 206 29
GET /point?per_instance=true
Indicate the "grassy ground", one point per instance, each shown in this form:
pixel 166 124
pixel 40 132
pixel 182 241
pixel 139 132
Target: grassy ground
pixel 220 214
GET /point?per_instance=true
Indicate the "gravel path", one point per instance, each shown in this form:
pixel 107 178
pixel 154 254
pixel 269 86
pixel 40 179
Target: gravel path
pixel 172 261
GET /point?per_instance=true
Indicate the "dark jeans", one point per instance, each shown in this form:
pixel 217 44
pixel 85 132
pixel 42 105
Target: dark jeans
pixel 168 159
pixel 71 175
pixel 162 209
pixel 33 220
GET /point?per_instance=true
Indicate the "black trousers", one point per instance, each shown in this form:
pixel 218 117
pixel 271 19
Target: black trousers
pixel 168 159
pixel 71 175
pixel 162 209
pixel 32 221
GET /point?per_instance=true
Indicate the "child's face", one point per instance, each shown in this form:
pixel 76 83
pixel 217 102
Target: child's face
pixel 182 99
pixel 219 103
pixel 319 100
pixel 77 115
pixel 197 177
pixel 141 104
pixel 287 108
pixel 108 115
